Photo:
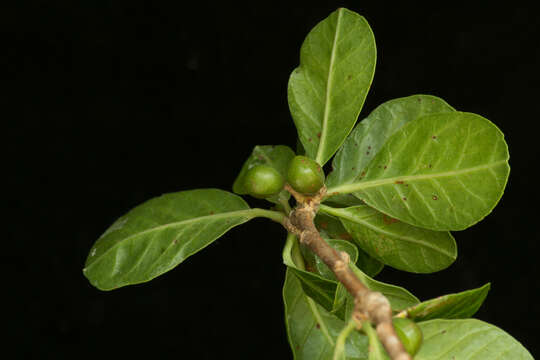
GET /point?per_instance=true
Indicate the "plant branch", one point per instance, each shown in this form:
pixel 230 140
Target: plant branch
pixel 369 305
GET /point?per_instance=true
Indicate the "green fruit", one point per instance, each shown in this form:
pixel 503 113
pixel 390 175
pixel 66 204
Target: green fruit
pixel 262 180
pixel 305 175
pixel 409 333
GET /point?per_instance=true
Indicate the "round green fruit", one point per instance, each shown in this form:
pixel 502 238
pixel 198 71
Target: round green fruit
pixel 305 175
pixel 409 333
pixel 262 181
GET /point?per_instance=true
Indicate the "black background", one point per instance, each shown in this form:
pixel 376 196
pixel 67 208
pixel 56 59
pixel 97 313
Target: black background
pixel 113 103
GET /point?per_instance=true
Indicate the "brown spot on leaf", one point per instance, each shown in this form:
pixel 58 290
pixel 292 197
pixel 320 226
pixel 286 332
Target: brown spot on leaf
pixel 389 220
pixel 434 137
pixel 212 213
pixel 385 167
pixel 319 135
pixel 318 326
pixel 434 197
pixel 367 152
pixel 404 199
pixel 429 166
pixel 324 225
pixel 399 182
pixel 362 174
pixel 345 236
pixel 369 147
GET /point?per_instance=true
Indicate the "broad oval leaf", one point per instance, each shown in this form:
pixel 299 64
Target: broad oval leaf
pixel 369 136
pixel 468 339
pixel 332 228
pixel 327 91
pixel 159 234
pixel 396 243
pixel 276 156
pixel 441 172
pixel 313 331
pixel 452 306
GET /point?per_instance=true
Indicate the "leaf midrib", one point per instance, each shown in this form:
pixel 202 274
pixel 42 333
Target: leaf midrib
pixel 346 216
pixel 324 132
pixel 358 186
pixel 238 213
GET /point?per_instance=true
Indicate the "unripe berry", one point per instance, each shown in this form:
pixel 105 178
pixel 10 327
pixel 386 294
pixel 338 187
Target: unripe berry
pixel 262 181
pixel 409 333
pixel 305 175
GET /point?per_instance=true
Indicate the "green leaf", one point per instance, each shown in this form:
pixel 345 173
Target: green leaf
pixel 313 331
pixel 369 136
pixel 441 172
pixel 327 91
pixel 398 297
pixel 276 156
pixel 468 339
pixel 395 243
pixel 322 290
pixel 159 234
pixel 453 306
pixel 330 227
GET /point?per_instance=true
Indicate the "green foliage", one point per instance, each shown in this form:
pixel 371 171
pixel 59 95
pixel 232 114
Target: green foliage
pixel 468 339
pixel 456 177
pixel 409 333
pixel 327 91
pixel 410 172
pixel 305 175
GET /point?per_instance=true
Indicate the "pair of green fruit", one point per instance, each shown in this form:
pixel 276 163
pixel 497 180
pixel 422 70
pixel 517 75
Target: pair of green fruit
pixel 304 175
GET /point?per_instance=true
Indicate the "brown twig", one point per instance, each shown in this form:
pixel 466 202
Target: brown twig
pixel 368 305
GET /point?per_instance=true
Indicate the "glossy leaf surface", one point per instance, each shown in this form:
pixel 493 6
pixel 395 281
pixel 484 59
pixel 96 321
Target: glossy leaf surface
pixel 396 243
pixel 327 91
pixel 159 234
pixel 453 306
pixel 468 339
pixel 276 156
pixel 312 330
pixel 441 172
pixel 369 136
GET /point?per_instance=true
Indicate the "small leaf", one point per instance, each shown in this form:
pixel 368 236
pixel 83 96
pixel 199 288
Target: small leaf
pixel 369 136
pixel 453 306
pixel 327 91
pixel 330 227
pixel 398 297
pixel 313 331
pixel 338 245
pixel 316 287
pixel 440 172
pixel 277 157
pixel 322 290
pixel 468 339
pixel 159 234
pixel 395 243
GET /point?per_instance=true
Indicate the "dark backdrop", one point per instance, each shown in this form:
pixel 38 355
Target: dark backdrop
pixel 111 104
